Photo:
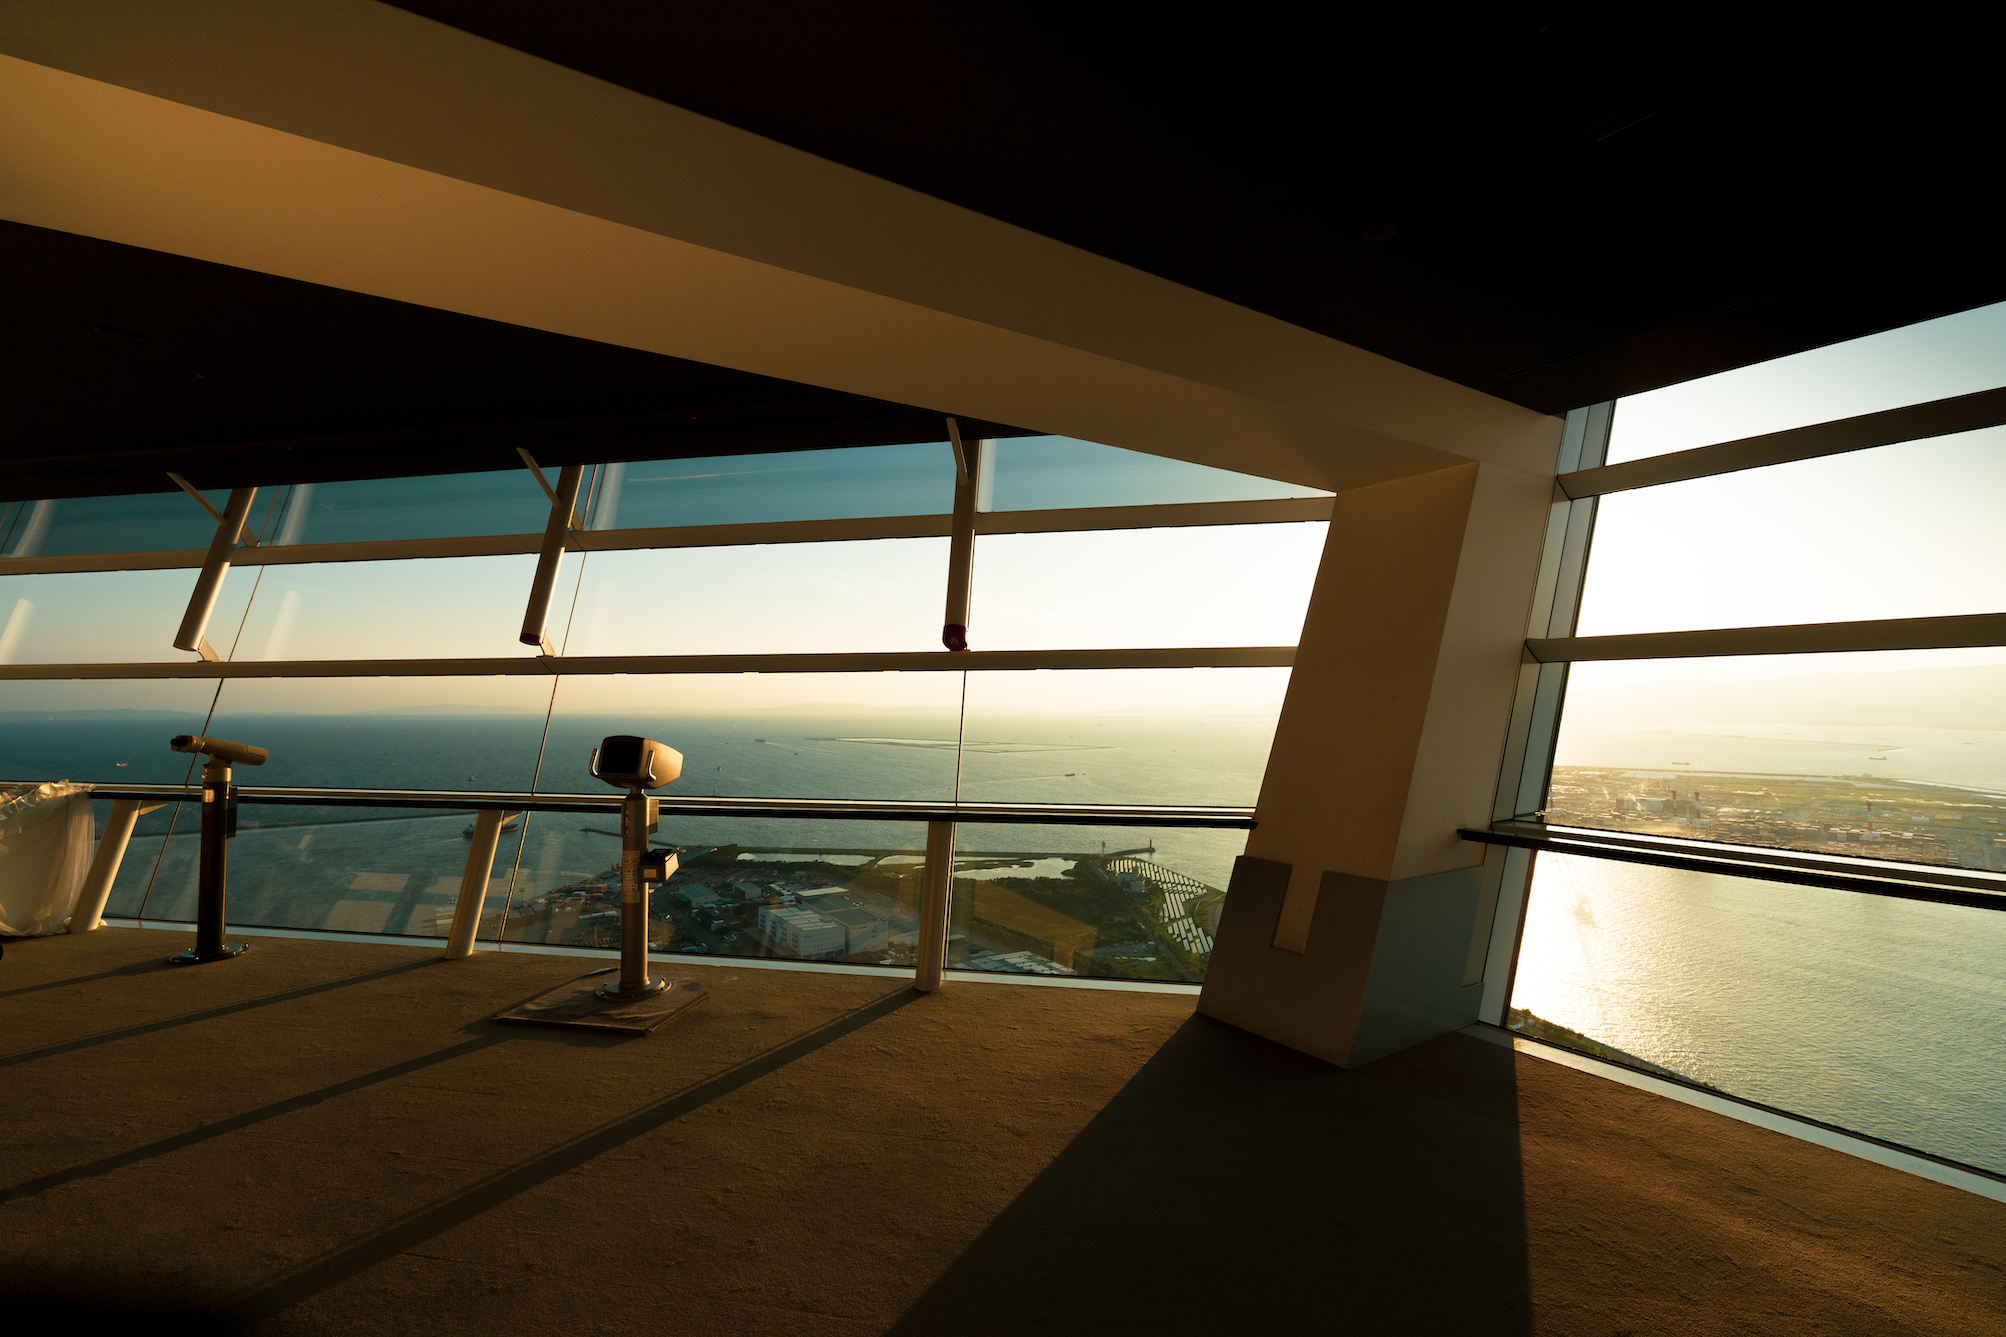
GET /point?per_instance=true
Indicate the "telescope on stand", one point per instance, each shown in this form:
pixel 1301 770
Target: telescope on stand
pixel 219 823
pixel 634 1002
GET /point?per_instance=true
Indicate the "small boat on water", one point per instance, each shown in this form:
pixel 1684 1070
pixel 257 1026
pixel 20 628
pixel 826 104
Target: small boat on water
pixel 514 821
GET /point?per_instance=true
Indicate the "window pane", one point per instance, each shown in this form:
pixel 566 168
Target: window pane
pixel 1033 473
pixel 1119 902
pixel 767 735
pixel 1894 755
pixel 345 870
pixel 793 889
pixel 447 608
pixel 1953 355
pixel 100 732
pixel 1197 737
pixel 1126 589
pixel 796 485
pixel 1874 1014
pixel 388 733
pixel 1910 530
pixel 111 617
pixel 785 598
pixel 150 522
pixel 432 506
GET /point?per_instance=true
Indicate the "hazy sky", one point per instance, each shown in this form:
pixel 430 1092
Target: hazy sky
pixel 1901 531
pixel 1233 585
pixel 1954 355
pixel 1910 530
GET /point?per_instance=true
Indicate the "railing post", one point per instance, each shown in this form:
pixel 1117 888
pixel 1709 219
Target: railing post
pixel 931 957
pixel 96 891
pixel 488 823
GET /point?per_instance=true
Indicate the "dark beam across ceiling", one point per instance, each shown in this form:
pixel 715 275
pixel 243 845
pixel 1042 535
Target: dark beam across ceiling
pixel 123 363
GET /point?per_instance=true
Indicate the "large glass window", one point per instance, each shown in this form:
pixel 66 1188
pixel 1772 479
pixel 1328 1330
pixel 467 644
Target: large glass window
pixel 149 522
pixel 444 608
pixel 1150 736
pixel 388 733
pixel 1034 473
pixel 1226 585
pixel 1890 755
pixel 768 735
pixel 790 598
pixel 1112 902
pixel 842 483
pixel 1908 530
pixel 111 617
pixel 1954 355
pixel 431 506
pixel 789 889
pixel 1874 1014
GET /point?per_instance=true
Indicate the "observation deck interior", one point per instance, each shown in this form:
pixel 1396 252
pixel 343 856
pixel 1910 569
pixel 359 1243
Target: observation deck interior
pixel 1319 686
pixel 329 1137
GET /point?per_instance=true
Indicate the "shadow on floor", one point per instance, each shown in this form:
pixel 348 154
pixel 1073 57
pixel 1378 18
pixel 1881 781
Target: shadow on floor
pixel 1386 1199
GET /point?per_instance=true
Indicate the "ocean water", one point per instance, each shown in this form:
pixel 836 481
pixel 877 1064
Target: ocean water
pixel 1875 1014
pixel 382 871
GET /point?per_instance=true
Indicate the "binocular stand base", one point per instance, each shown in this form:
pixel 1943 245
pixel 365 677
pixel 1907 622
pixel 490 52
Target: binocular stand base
pixel 592 1002
pixel 191 957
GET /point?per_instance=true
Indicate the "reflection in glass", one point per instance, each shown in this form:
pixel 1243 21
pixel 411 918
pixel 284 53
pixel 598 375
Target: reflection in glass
pixel 1032 473
pixel 792 598
pixel 1112 902
pixel 791 889
pixel 836 484
pixel 446 608
pixel 1874 1014
pixel 1197 737
pixel 1909 530
pixel 1128 589
pixel 778 735
pixel 433 506
pixel 149 522
pixel 110 617
pixel 1889 755
pixel 344 870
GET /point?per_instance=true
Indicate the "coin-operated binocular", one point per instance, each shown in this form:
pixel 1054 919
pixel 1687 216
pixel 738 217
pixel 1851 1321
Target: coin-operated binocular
pixel 636 765
pixel 219 823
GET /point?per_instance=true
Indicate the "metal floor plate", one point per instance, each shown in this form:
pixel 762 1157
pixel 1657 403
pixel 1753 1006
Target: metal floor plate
pixel 579 1004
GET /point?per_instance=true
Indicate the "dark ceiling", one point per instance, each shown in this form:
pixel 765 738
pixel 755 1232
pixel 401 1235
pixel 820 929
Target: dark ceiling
pixel 123 363
pixel 1552 208
pixel 1553 204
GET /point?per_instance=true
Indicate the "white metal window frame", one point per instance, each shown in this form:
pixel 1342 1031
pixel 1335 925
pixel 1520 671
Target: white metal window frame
pixel 1551 645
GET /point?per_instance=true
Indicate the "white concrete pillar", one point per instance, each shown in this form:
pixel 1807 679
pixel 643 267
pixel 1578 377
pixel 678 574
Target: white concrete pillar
pixel 1349 927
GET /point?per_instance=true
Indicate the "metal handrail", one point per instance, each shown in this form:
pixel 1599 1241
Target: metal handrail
pixel 1763 866
pixel 904 810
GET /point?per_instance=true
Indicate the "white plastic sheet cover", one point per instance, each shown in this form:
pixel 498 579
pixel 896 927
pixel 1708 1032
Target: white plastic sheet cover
pixel 45 850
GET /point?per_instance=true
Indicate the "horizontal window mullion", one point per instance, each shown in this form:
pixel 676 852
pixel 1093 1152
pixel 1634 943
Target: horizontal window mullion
pixel 1727 863
pixel 1061 814
pixel 1915 422
pixel 1902 633
pixel 1181 515
pixel 920 661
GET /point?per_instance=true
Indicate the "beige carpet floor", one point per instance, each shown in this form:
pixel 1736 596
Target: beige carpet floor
pixel 329 1137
